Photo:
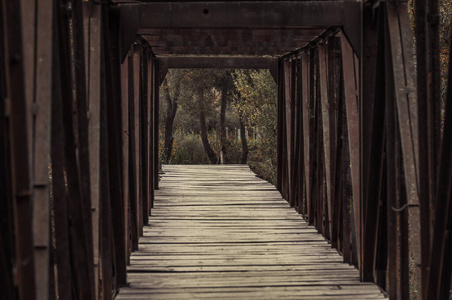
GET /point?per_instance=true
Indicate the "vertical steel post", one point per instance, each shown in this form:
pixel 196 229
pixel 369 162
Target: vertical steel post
pixel 19 154
pixel 351 86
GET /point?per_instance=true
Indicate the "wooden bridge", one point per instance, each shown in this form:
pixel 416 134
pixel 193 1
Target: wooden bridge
pixel 364 148
pixel 218 232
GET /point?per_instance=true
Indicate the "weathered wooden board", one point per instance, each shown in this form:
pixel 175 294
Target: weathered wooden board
pixel 219 232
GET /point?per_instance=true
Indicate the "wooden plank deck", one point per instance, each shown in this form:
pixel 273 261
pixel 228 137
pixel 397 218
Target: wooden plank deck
pixel 219 232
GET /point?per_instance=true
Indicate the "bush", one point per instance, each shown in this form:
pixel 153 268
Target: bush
pixel 188 149
pixel 233 151
pixel 262 159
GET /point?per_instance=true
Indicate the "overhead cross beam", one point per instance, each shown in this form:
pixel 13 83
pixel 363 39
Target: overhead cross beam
pixel 142 18
pixel 270 14
pixel 219 62
pixel 222 62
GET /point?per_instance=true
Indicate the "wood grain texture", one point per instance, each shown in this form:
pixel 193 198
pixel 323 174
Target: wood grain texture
pixel 219 232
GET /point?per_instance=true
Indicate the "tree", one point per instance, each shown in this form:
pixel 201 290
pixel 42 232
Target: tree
pixel 173 84
pixel 255 102
pixel 224 84
pixel 202 121
pixel 171 110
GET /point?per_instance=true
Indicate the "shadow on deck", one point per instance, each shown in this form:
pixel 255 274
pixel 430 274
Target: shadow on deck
pixel 219 232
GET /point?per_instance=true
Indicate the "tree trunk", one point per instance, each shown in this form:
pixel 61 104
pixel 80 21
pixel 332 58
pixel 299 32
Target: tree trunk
pixel 202 120
pixel 244 142
pixel 224 99
pixel 169 121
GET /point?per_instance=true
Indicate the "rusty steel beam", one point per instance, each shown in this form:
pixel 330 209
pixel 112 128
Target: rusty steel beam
pixel 271 50
pixel 440 265
pixel 129 25
pixel 372 116
pixel 305 66
pixel 156 101
pixel 311 142
pixel 234 45
pixel 132 154
pixel 325 108
pixel 137 53
pixel 219 62
pixel 41 145
pixel 287 67
pixel 220 40
pixel 401 45
pixel 429 107
pixel 93 46
pixel 224 34
pixel 29 39
pixel 61 90
pixel 24 271
pixel 279 138
pixel 144 17
pixel 351 89
pixel 114 112
pixel 6 214
pixel 152 88
pixel 149 133
pixel 125 155
pixel 105 218
pixel 144 125
pixel 269 14
pixel 391 192
pixel 333 97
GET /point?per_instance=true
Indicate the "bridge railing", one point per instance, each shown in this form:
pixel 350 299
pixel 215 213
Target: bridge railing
pixel 361 152
pixel 78 140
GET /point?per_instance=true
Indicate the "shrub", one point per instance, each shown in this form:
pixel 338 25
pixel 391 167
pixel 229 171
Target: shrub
pixel 188 149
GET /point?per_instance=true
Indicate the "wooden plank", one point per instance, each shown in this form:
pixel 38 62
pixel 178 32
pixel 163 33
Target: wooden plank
pixel 215 250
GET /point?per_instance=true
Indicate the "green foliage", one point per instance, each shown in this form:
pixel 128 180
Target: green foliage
pixel 252 99
pixel 262 160
pixel 234 151
pixel 188 149
pixel 256 103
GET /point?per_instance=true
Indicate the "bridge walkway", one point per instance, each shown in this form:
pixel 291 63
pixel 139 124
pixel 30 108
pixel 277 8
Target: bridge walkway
pixel 219 232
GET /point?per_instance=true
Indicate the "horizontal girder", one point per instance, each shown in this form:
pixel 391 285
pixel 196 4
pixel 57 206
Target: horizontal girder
pixel 272 28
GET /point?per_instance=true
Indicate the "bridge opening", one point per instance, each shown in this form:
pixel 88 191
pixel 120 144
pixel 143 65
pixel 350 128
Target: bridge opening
pixel 219 116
